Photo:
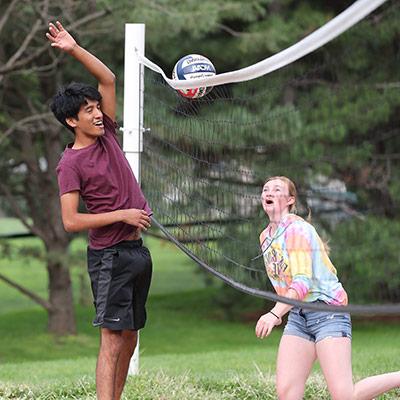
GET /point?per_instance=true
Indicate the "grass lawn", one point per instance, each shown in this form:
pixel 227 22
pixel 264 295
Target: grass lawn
pixel 187 350
pixel 11 226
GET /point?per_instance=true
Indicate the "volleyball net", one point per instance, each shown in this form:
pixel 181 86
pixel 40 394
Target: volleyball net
pixel 323 120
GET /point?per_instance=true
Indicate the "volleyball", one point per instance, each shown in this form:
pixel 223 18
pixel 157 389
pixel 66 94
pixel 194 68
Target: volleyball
pixel 190 67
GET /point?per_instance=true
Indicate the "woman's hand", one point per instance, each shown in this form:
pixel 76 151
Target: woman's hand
pixel 60 38
pixel 265 324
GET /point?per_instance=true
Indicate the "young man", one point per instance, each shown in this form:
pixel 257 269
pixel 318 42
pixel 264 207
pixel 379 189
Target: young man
pixel 94 168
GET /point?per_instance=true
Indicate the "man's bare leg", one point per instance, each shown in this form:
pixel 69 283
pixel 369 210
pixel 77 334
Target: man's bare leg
pixel 128 348
pixel 111 344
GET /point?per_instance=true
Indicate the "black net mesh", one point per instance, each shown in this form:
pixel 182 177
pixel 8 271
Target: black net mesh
pixel 330 122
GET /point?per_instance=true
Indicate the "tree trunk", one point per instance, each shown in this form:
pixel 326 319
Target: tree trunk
pixel 61 315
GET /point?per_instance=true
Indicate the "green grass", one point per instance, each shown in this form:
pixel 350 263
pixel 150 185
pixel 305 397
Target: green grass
pixel 174 273
pixel 187 350
pixel 162 386
pixel 11 226
pixel 59 381
pixel 200 358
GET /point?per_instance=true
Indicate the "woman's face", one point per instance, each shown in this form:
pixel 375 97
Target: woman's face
pixel 275 198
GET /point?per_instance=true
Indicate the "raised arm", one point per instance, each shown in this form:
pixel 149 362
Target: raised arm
pixel 62 39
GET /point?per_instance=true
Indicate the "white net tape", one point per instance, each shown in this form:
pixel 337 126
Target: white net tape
pixel 355 13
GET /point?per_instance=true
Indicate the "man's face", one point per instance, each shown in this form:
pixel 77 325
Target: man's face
pixel 89 121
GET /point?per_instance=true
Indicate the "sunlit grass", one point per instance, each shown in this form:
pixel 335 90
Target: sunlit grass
pixel 186 350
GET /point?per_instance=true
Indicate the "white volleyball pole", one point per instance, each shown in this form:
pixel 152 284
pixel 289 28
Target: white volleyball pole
pixel 133 117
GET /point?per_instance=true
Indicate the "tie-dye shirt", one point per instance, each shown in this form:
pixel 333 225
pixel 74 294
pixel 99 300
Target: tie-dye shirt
pixel 295 257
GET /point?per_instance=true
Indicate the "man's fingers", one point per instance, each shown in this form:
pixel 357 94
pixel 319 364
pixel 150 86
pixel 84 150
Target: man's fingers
pixel 138 218
pixel 50 37
pixel 145 222
pixel 146 218
pixel 53 29
pixel 59 26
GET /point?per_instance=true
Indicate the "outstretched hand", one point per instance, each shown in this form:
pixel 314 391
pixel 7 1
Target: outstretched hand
pixel 60 38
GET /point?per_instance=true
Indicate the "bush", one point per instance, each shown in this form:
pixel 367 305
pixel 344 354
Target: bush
pixel 366 255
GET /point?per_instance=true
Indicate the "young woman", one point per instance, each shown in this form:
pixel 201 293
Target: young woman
pixel 299 268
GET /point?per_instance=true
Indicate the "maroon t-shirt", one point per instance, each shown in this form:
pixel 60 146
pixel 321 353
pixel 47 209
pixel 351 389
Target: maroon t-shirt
pixel 104 178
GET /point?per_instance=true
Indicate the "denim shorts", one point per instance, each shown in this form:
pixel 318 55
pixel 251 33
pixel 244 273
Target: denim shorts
pixel 317 325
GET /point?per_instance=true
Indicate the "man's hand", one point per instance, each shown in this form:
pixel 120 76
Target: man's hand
pixel 60 38
pixel 265 325
pixel 136 217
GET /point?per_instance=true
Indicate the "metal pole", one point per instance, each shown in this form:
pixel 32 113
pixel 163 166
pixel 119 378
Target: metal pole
pixel 133 117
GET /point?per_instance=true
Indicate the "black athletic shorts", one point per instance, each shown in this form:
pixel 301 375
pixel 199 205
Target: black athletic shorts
pixel 120 277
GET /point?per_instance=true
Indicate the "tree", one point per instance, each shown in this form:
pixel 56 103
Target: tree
pixel 333 115
pixel 318 127
pixel 31 141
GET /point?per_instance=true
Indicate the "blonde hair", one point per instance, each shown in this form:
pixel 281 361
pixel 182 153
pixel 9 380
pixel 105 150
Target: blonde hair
pixel 291 187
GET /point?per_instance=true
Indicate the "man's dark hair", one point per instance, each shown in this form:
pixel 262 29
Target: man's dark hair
pixel 69 100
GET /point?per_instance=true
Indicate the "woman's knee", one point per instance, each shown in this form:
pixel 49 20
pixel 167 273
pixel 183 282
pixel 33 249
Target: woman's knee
pixel 341 392
pixel 289 390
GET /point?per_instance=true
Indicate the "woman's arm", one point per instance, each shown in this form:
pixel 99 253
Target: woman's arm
pixel 273 318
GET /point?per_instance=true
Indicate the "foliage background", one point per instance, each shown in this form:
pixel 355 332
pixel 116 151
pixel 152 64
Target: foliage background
pixel 343 123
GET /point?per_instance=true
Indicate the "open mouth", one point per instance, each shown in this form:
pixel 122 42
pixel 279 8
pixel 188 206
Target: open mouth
pixel 99 124
pixel 269 202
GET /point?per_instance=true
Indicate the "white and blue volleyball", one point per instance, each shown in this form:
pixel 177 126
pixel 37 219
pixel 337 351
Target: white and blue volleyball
pixel 190 67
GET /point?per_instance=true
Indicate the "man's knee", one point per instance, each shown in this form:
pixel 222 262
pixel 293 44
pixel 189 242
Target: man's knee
pixel 130 340
pixel 112 342
pixel 130 335
pixel 115 343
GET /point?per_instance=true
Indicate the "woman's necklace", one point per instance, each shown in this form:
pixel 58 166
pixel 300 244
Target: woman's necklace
pixel 272 237
pixel 272 231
